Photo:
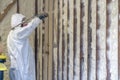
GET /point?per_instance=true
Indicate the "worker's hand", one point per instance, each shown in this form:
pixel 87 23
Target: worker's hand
pixel 42 16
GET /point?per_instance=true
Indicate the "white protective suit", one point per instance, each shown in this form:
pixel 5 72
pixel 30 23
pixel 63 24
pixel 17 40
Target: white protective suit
pixel 19 49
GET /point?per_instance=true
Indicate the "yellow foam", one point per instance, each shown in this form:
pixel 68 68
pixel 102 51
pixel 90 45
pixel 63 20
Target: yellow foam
pixel 2 56
pixel 2 67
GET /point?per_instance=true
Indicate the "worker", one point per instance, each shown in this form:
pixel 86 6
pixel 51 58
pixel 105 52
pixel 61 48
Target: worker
pixel 19 50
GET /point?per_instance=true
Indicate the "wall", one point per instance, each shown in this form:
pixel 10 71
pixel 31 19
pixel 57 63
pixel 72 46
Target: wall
pixel 78 41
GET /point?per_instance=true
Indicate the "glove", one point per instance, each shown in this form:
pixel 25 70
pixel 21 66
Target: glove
pixel 42 16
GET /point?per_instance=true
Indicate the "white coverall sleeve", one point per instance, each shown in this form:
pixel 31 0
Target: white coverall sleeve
pixel 24 32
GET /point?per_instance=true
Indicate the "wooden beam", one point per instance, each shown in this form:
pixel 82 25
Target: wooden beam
pixel 55 42
pixel 77 40
pixel 84 38
pixel 70 32
pixel 40 52
pixel 50 61
pixel 65 43
pixel 60 40
pixel 60 54
pixel 112 39
pixel 92 24
pixel 101 39
pixel 46 47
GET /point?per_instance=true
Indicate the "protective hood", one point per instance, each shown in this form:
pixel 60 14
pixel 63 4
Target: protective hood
pixel 16 19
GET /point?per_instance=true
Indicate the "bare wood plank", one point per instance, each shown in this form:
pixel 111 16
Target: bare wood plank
pixel 46 28
pixel 40 52
pixel 92 67
pixel 45 67
pixel 77 44
pixel 70 31
pixel 45 49
pixel 50 62
pixel 55 43
pixel 101 42
pixel 39 57
pixel 65 32
pixel 112 39
pixel 60 41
